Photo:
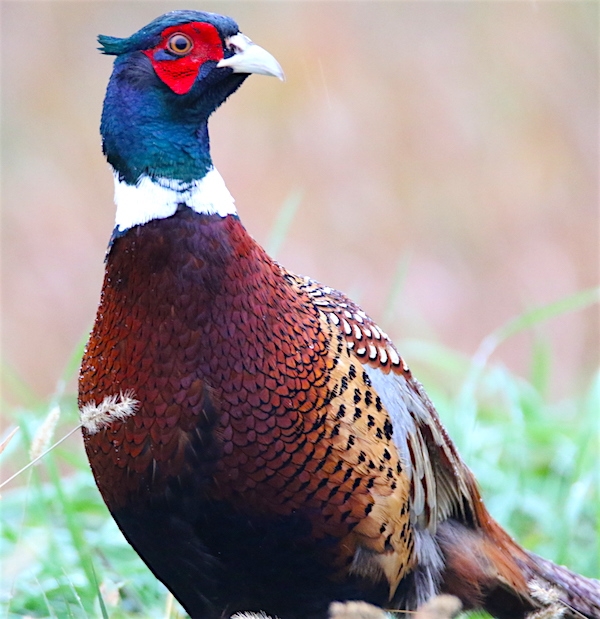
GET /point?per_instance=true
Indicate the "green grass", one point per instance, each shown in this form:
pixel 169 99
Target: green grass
pixel 61 554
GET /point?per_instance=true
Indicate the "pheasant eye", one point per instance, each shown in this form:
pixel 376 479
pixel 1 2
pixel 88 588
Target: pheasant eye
pixel 179 44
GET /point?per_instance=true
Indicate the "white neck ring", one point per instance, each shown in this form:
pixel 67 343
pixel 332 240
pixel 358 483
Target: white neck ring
pixel 158 198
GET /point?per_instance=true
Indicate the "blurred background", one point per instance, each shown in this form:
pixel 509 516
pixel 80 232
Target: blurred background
pixel 443 159
pixel 447 151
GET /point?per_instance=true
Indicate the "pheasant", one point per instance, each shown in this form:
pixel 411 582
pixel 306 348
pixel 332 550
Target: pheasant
pixel 256 436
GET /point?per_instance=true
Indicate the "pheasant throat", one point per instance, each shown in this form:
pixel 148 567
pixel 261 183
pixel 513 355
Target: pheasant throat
pixel 158 198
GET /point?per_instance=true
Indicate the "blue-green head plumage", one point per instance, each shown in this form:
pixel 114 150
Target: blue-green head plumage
pixel 147 128
pixel 149 36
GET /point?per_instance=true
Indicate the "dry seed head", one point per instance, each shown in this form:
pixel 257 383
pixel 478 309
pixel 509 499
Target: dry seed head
pixel 543 592
pixel 355 610
pixel 554 611
pixel 43 437
pixel 7 440
pixel 548 595
pixel 440 607
pixel 94 417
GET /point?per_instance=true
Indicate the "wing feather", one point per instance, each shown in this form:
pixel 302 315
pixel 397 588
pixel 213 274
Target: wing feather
pixel 441 485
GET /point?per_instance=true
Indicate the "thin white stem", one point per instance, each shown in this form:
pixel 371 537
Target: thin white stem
pixel 30 464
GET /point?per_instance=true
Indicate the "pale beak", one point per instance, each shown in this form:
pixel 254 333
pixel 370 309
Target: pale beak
pixel 250 58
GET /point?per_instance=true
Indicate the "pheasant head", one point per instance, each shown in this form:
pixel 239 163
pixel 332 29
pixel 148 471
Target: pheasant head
pixel 167 80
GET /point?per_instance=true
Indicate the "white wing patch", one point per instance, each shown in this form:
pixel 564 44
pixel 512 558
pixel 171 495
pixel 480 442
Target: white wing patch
pixel 437 490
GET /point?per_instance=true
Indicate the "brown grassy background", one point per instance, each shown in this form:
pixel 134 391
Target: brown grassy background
pixel 459 137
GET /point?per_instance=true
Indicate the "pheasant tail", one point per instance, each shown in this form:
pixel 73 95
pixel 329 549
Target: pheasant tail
pixel 491 571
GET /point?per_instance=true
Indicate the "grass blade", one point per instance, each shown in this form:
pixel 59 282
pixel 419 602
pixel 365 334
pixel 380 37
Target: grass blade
pixel 99 593
pixel 283 222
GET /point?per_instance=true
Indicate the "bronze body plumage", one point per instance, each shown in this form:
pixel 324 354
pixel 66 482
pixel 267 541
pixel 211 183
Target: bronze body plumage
pixel 281 455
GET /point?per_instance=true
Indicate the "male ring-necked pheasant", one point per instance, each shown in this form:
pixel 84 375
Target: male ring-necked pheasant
pixel 256 436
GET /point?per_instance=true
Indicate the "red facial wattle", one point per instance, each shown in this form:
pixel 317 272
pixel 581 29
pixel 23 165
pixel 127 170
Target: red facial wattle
pixel 180 72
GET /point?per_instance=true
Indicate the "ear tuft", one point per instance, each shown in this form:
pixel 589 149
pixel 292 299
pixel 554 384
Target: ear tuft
pixel 111 46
